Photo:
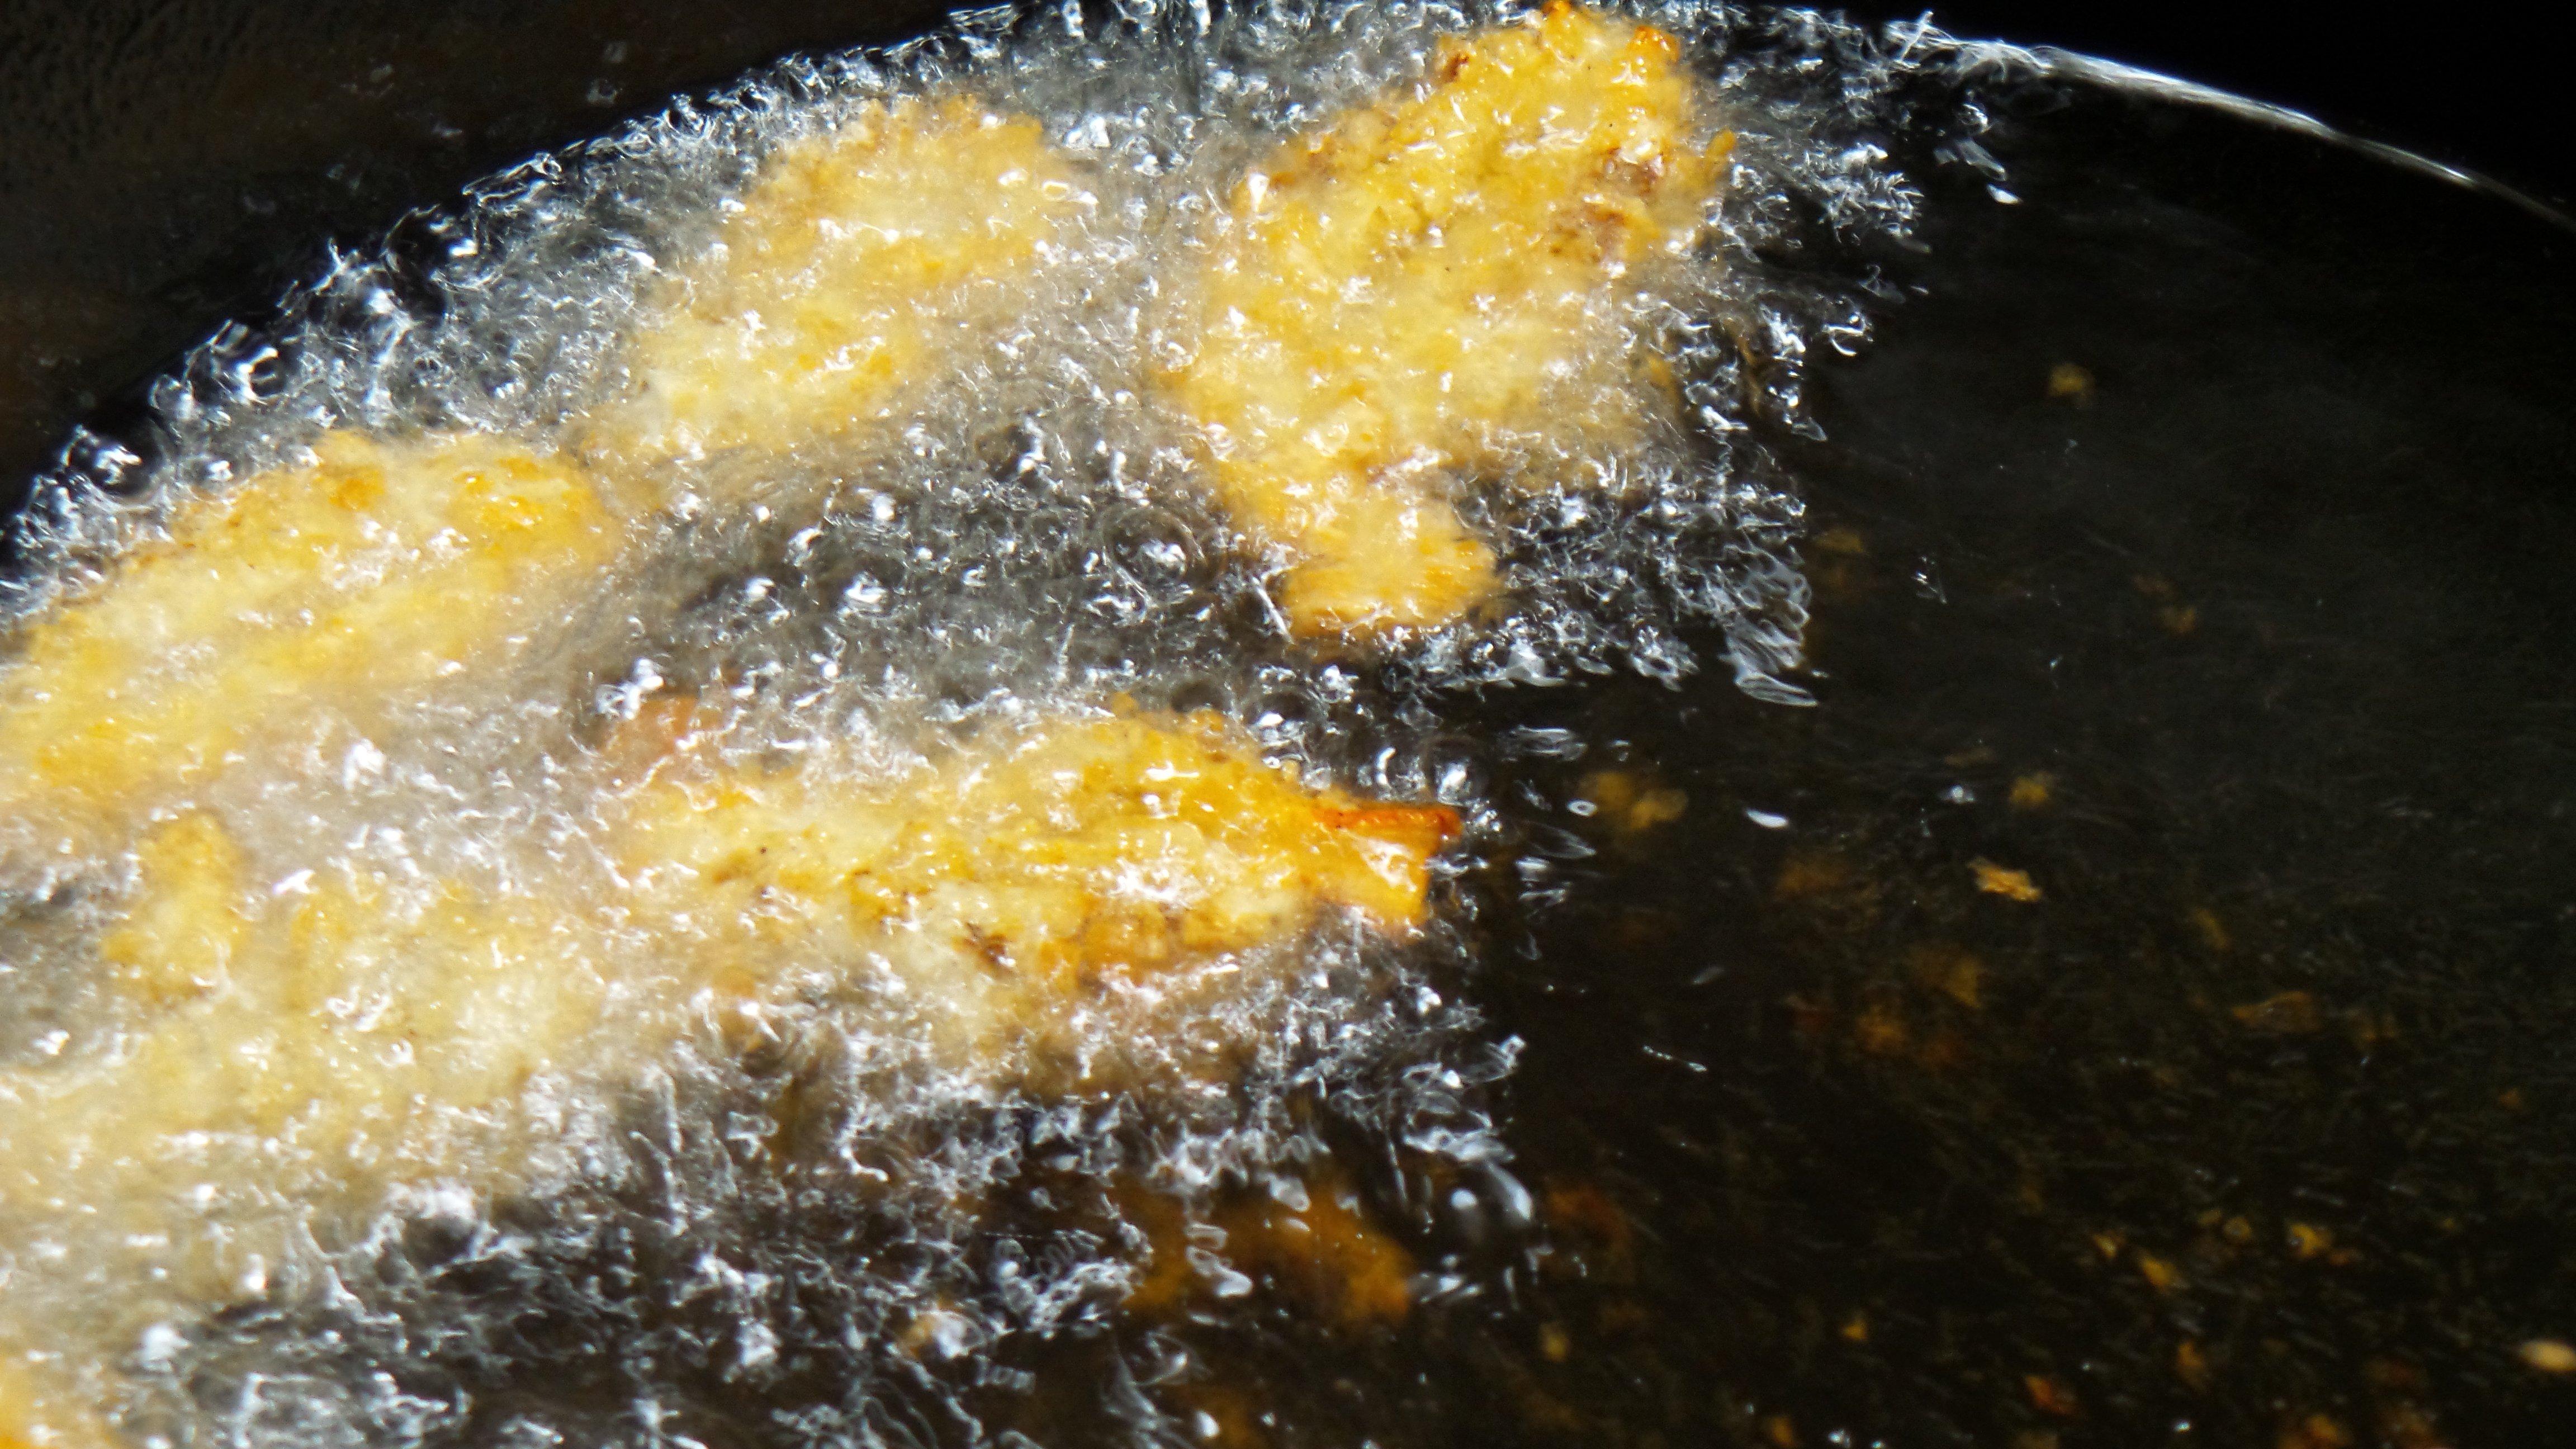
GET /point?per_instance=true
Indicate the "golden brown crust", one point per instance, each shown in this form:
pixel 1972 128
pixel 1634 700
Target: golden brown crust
pixel 294 1054
pixel 345 584
pixel 1434 289
pixel 1014 879
pixel 848 272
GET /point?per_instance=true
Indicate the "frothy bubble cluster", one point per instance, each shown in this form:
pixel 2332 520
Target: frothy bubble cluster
pixel 835 1235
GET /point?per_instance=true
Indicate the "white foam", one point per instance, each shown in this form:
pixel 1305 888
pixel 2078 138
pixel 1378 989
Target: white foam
pixel 1030 539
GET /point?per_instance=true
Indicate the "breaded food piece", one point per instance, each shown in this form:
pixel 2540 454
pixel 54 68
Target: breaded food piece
pixel 851 270
pixel 309 1054
pixel 302 1053
pixel 1436 288
pixel 342 585
pixel 1017 879
pixel 33 1418
pixel 857 263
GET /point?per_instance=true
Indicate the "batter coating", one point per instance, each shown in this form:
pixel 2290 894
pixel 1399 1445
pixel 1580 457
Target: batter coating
pixel 302 1054
pixel 338 587
pixel 1025 876
pixel 859 262
pixel 1436 289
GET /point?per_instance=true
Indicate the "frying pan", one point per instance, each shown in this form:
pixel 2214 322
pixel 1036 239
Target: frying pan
pixel 2196 535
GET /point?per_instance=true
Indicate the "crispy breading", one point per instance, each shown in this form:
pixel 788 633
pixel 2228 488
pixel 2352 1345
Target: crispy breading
pixel 847 274
pixel 342 585
pixel 1013 879
pixel 30 1418
pixel 332 1046
pixel 303 1053
pixel 855 265
pixel 1435 289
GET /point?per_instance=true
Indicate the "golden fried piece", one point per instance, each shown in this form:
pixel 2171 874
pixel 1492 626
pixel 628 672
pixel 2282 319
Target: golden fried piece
pixel 299 1056
pixel 850 271
pixel 857 264
pixel 310 1056
pixel 1437 287
pixel 339 586
pixel 1019 878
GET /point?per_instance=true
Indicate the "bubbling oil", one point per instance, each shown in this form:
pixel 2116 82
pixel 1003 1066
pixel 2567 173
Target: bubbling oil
pixel 812 1221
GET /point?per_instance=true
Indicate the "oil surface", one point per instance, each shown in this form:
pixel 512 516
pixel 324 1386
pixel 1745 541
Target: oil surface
pixel 2125 1008
pixel 2194 545
pixel 435 745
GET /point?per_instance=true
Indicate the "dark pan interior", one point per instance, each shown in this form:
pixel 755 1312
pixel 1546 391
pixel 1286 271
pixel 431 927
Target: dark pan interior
pixel 2261 1112
pixel 2221 488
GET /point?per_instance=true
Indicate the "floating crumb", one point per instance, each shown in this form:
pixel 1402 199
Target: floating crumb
pixel 1855 1329
pixel 1583 1213
pixel 1632 805
pixel 2030 1193
pixel 2288 1013
pixel 1658 807
pixel 2160 1275
pixel 1645 929
pixel 2191 1364
pixel 1941 1051
pixel 2050 1395
pixel 1554 1343
pixel 1546 1412
pixel 1221 1414
pixel 1805 874
pixel 2393 1375
pixel 1781 1430
pixel 2001 880
pixel 2213 931
pixel 1622 1315
pixel 930 1329
pixel 1811 1018
pixel 2409 1426
pixel 1955 973
pixel 2317 1431
pixel 2369 1029
pixel 1326 1253
pixel 2070 383
pixel 2549 1355
pixel 2307 1241
pixel 1880 1031
pixel 2033 791
pixel 2172 615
